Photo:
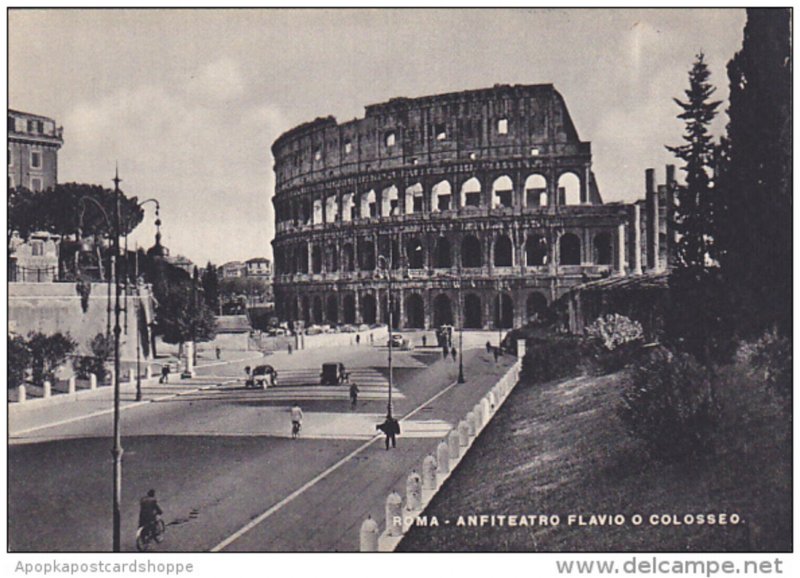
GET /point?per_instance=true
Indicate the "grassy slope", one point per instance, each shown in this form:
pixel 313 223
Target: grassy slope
pixel 559 448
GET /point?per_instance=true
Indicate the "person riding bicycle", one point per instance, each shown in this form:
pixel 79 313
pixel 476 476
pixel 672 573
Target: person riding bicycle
pixel 149 510
pixel 354 395
pixel 297 419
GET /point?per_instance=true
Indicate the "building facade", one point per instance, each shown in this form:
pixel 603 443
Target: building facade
pixel 33 144
pixel 477 207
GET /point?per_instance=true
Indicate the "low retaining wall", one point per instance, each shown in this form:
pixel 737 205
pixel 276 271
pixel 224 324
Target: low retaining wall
pixel 420 489
pixel 379 336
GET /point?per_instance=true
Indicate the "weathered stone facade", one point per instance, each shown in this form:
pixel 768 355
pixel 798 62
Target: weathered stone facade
pixel 480 194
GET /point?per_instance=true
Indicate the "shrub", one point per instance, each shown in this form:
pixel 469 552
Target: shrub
pixel 613 330
pixel 48 353
pixel 19 360
pixel 772 358
pixel 101 347
pixel 669 405
pixel 553 358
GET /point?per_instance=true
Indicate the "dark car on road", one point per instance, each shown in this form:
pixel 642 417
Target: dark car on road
pixel 333 373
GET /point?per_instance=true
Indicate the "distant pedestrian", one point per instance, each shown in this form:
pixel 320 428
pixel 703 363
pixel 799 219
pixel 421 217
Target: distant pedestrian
pixel 371 339
pixel 488 347
pixel 218 351
pixel 424 341
pixel 391 428
pixel 289 347
pixel 297 420
pixel 453 353
pixel 353 395
pixel 496 353
pixel 445 351
pixel 164 374
pixel 358 339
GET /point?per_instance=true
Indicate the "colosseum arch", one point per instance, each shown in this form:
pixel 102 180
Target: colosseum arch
pixel 441 196
pixel 415 254
pixel 442 310
pixel 389 201
pixel 569 189
pixel 535 251
pixel 473 315
pixel 349 309
pixel 368 310
pixel 415 311
pixel 305 211
pixel 569 249
pixel 503 311
pixel 368 206
pixel 318 212
pixel 503 192
pixel 603 253
pixel 536 191
pixel 305 309
pixel 536 308
pixel 471 193
pixel 471 252
pixel 331 209
pixel 414 199
pixel 443 257
pixel 316 259
pixel 332 257
pixel 395 312
pixel 366 255
pixel 347 207
pixel 503 252
pixel 301 253
pixel 317 310
pixel 348 263
pixel 332 310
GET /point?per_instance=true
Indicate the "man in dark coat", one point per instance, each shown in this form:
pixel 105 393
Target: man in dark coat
pixel 391 428
pixel 149 510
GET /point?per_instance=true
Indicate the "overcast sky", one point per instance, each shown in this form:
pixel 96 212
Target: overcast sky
pixel 188 102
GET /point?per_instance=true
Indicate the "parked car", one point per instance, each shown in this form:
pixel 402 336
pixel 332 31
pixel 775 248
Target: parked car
pixel 263 376
pixel 395 341
pixel 333 373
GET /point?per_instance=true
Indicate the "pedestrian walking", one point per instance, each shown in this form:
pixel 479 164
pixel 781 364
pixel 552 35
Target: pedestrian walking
pixel 289 347
pixel 371 339
pixel 164 374
pixel 218 351
pixel 391 428
pixel 445 351
pixel 488 347
pixel 424 341
pixel 496 353
pixel 353 395
pixel 358 339
pixel 453 353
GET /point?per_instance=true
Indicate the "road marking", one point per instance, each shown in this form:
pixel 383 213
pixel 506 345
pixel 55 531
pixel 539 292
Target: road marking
pixel 111 410
pixel 313 481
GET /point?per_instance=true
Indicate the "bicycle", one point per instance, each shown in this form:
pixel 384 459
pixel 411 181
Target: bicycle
pixel 295 429
pixel 152 532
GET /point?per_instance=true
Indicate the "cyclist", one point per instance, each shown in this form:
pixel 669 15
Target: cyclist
pixel 353 395
pixel 149 511
pixel 297 419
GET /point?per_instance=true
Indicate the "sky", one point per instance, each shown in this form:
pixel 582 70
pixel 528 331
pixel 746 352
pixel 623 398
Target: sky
pixel 188 102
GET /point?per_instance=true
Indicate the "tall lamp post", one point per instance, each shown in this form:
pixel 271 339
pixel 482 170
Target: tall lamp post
pixel 459 283
pixel 387 266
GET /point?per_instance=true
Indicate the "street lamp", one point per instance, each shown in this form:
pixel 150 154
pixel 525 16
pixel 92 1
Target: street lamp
pixel 460 328
pixel 387 266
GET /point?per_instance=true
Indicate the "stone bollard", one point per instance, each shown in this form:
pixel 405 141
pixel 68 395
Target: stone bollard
pixel 520 348
pixel 472 424
pixel 429 473
pixel 485 409
pixel 453 445
pixel 21 394
pixel 394 515
pixel 463 434
pixel 46 389
pixel 92 381
pixel 413 492
pixel 479 417
pixel 148 372
pixel 369 535
pixel 71 385
pixel 442 458
pixel 131 376
pixel 492 399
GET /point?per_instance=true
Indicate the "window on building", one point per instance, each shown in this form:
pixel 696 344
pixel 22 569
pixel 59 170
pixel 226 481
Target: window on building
pixel 502 126
pixel 440 131
pixel 534 152
pixel 317 154
pixel 36 159
pixel 12 124
pixel 348 147
pixel 390 139
pixel 36 184
pixel 31 126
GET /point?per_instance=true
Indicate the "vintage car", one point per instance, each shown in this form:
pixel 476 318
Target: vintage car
pixel 263 376
pixel 333 373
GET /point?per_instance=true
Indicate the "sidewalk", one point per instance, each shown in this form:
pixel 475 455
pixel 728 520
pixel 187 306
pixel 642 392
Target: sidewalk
pixel 39 413
pixel 327 515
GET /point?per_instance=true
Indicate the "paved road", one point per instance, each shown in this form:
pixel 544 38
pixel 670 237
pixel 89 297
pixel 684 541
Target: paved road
pixel 221 456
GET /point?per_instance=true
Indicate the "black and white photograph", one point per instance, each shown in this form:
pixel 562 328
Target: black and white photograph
pixel 373 280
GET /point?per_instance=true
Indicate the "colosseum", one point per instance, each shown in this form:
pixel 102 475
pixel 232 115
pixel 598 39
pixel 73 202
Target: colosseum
pixel 477 208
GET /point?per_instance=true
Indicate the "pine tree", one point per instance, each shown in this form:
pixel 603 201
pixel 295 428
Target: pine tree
pixel 756 234
pixel 210 283
pixel 694 322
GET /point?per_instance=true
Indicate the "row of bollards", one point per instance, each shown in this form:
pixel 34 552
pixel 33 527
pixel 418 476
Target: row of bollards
pixel 435 470
pixel 47 387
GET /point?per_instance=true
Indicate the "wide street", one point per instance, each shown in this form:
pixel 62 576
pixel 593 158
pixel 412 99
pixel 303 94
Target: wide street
pixel 220 457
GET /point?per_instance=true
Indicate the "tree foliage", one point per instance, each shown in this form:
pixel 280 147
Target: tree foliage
pixel 756 235
pixel 19 360
pixel 48 353
pixel 695 322
pixel 102 348
pixel 210 284
pixel 182 314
